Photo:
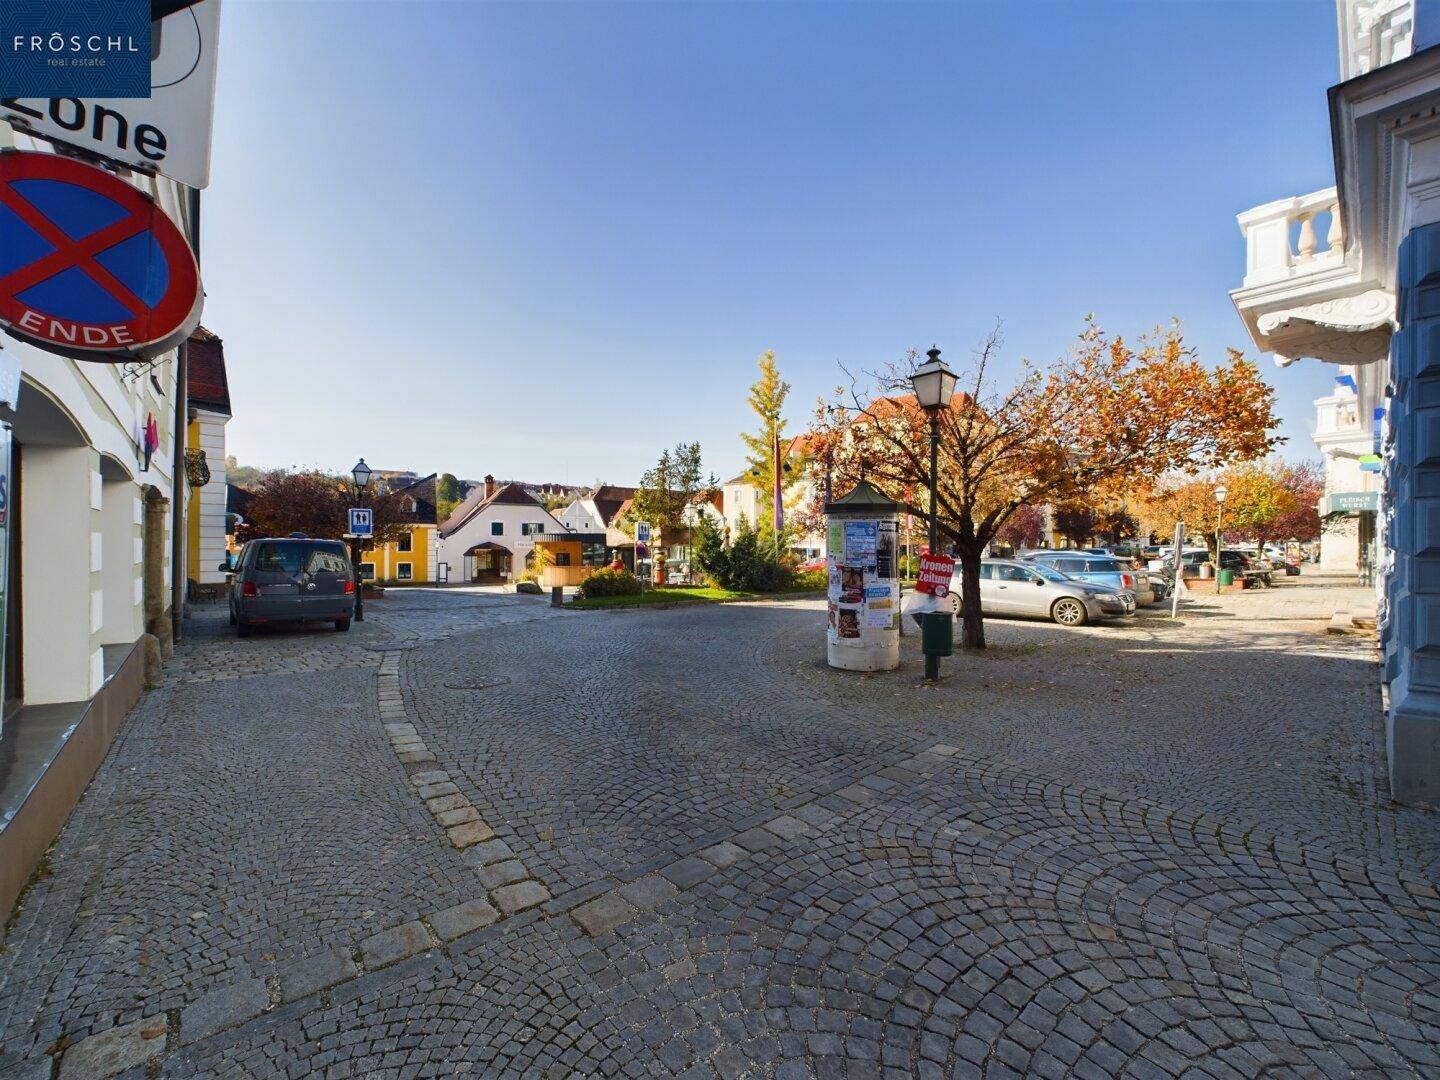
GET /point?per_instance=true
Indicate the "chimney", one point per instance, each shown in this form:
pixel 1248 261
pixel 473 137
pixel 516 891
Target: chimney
pixel 489 485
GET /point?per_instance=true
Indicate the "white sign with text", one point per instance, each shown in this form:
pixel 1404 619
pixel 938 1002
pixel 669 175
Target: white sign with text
pixel 169 131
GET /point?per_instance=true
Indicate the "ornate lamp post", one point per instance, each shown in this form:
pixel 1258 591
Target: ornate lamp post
pixel 934 386
pixel 361 475
pixel 1220 493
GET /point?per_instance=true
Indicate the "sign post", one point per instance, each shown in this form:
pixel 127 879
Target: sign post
pixel 1179 574
pixel 361 527
pixel 642 550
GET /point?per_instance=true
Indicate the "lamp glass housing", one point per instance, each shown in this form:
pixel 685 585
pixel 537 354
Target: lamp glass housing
pixel 362 473
pixel 933 384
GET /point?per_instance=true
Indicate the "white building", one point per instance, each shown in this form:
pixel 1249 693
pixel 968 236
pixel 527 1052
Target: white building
pixel 594 513
pixel 742 499
pixel 1367 298
pixel 488 538
pixel 90 518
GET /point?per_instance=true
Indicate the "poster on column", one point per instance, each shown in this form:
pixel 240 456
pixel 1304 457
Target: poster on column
pixel 835 543
pixel 861 538
pixel 886 549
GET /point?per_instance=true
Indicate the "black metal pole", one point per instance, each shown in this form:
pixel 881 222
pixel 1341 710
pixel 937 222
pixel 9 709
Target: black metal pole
pixel 932 663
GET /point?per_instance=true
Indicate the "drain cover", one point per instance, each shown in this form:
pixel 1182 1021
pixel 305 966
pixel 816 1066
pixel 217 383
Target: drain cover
pixel 479 684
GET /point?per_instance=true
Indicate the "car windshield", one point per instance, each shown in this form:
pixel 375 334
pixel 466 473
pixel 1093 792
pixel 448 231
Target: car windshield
pixel 1049 573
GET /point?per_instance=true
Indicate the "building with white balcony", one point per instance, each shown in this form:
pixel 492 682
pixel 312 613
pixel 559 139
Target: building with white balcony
pixel 1350 275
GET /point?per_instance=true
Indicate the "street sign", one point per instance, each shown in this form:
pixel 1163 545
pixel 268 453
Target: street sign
pixel 935 574
pixel 168 132
pixel 89 266
pixel 362 522
pixel 642 532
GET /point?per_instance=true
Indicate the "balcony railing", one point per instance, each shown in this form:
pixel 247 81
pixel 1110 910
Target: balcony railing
pixel 1337 416
pixel 1283 238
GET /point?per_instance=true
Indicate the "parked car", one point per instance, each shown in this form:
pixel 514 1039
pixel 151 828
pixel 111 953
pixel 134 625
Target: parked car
pixel 1019 587
pixel 1118 574
pixel 291 580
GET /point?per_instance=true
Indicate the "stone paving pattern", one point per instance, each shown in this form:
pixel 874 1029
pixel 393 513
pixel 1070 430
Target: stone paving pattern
pixel 1123 850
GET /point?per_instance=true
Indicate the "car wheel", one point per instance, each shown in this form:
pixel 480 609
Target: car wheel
pixel 342 625
pixel 1067 611
pixel 242 628
pixel 953 600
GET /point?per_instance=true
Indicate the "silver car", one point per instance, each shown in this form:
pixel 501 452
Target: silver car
pixel 1099 570
pixel 1017 587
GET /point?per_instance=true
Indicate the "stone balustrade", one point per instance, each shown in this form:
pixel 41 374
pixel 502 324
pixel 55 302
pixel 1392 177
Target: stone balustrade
pixel 1283 238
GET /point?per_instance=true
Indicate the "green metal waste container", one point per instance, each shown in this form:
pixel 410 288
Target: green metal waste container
pixel 937 633
pixel 1227 577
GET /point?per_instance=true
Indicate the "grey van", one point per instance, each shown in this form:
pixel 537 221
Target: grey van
pixel 291 580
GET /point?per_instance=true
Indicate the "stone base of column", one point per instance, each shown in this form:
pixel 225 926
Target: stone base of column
pixel 1413 746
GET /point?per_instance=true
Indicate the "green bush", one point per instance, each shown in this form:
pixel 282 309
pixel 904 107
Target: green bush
pixel 610 582
pixel 811 580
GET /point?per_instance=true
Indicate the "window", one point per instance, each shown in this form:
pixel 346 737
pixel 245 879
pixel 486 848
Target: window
pixel 327 561
pixel 1006 572
pixel 562 558
pixel 280 558
pixel 402 572
pixel 594 554
pixel 405 543
pixel 1069 566
pixel 531 528
pixel 987 571
pixel 367 571
pixel 497 528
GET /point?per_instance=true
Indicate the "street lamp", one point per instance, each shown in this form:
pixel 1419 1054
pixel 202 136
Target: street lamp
pixel 1220 493
pixel 934 386
pixel 361 474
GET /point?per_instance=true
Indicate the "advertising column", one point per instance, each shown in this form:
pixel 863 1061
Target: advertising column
pixel 863 562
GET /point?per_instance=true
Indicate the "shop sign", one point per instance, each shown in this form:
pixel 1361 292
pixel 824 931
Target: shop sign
pixel 935 574
pixel 168 131
pixel 89 266
pixel 1350 502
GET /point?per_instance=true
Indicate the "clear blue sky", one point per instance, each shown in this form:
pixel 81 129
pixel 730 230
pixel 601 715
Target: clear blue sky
pixel 546 240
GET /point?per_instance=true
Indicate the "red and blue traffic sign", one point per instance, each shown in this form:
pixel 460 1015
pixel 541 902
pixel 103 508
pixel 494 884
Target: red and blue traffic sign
pixel 89 265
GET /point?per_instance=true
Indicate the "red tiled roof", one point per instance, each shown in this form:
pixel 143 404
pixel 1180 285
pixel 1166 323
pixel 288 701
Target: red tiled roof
pixel 205 381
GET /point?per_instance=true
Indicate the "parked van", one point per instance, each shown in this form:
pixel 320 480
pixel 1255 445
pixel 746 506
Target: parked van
pixel 291 580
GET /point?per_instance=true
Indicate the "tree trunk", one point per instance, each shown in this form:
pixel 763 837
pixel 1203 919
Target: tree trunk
pixel 972 621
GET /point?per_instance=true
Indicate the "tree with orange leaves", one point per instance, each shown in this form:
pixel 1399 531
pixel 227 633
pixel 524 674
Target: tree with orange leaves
pixel 1106 418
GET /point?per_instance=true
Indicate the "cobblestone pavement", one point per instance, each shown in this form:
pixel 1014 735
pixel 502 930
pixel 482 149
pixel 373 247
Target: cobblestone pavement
pixel 1133 849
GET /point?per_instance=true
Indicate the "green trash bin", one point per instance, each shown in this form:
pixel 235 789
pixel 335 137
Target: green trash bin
pixel 937 633
pixel 1227 577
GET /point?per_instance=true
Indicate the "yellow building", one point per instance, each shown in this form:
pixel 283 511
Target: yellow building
pixel 208 399
pixel 411 558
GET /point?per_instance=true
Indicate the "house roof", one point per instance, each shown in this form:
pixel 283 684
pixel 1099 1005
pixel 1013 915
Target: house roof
pixel 610 500
pixel 423 492
pixel 205 383
pixel 475 502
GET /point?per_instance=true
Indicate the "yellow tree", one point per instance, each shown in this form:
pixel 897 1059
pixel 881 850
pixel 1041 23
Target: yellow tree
pixel 1106 417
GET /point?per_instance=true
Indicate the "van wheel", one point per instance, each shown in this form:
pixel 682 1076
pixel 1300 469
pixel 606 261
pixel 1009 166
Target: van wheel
pixel 1067 611
pixel 242 628
pixel 342 625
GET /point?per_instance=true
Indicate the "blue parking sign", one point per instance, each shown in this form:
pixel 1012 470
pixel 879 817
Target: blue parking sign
pixel 362 522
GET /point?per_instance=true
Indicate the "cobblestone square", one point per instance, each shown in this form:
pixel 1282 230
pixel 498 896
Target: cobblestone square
pixel 1142 849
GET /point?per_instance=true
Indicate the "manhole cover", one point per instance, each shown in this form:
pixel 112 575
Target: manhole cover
pixel 479 684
